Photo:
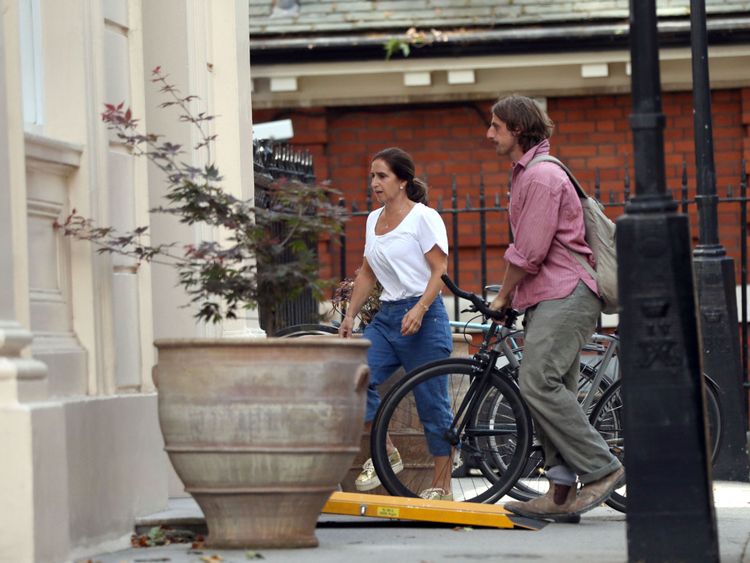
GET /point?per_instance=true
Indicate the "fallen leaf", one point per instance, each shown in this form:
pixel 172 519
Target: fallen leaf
pixel 253 555
pixel 212 558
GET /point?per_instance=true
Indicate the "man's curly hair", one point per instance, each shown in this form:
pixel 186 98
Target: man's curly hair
pixel 525 119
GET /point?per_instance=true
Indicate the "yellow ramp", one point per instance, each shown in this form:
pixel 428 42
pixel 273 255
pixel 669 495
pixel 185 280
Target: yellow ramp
pixel 442 511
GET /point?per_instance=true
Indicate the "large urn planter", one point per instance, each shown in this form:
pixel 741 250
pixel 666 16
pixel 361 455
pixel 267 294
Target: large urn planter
pixel 261 431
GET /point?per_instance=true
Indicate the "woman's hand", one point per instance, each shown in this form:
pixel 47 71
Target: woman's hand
pixel 412 321
pixel 346 327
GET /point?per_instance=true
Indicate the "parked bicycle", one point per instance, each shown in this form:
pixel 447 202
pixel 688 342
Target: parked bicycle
pixel 600 395
pixel 489 430
pixel 492 433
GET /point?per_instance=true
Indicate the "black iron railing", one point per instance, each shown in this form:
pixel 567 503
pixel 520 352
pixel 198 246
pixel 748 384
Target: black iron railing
pixel 272 162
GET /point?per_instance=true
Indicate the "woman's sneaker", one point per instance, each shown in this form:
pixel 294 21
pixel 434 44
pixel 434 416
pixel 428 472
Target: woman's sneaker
pixel 368 479
pixel 435 493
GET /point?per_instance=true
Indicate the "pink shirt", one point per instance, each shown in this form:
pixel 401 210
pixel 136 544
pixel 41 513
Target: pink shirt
pixel 546 219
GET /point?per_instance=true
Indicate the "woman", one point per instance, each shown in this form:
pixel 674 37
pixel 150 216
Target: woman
pixel 406 250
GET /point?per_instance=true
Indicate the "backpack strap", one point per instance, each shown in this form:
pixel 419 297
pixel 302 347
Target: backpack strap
pixel 549 158
pixel 581 194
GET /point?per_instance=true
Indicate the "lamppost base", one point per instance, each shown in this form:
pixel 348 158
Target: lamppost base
pixel 714 279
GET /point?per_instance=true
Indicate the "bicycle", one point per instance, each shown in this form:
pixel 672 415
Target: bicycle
pixel 594 379
pixel 592 385
pixel 605 410
pixel 599 393
pixel 491 425
pixel 607 418
pixel 483 431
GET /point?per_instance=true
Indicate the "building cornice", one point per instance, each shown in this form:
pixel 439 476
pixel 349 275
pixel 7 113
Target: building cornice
pixel 464 79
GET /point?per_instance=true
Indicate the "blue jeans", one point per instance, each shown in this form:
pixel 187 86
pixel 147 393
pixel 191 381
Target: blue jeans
pixel 389 350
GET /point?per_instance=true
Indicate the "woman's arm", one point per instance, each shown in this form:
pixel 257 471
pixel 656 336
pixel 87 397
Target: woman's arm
pixel 363 286
pixel 438 262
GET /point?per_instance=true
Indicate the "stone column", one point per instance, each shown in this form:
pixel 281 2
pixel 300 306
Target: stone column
pixel 22 378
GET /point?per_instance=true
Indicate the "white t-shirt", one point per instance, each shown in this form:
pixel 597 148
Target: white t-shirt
pixel 397 257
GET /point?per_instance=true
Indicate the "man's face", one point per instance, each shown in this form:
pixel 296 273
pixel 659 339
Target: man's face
pixel 505 142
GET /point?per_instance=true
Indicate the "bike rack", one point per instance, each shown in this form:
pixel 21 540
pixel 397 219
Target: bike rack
pixel 417 509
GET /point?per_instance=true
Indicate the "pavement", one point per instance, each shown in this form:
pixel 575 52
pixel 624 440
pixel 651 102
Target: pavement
pixel 599 538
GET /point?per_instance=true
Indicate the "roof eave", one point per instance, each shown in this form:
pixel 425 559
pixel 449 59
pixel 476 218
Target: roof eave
pixel 527 39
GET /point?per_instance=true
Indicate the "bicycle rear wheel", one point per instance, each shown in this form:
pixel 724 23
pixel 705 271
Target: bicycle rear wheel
pixel 499 429
pixel 607 418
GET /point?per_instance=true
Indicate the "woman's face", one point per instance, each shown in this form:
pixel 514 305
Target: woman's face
pixel 384 183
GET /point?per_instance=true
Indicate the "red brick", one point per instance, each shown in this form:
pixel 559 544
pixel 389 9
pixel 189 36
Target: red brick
pixel 604 162
pixel 570 151
pixel 576 127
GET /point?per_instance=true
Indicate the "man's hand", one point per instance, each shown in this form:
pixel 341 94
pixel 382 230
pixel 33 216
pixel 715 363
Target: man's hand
pixel 500 303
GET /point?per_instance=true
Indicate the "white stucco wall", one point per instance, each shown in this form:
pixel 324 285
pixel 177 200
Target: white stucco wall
pixel 78 409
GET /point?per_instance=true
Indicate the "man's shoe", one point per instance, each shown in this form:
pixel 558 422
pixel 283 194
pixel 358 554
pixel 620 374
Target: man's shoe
pixel 435 493
pixel 369 480
pixel 556 505
pixel 592 495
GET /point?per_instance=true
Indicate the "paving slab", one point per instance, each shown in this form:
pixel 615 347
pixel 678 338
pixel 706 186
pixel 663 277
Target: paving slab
pixel 599 538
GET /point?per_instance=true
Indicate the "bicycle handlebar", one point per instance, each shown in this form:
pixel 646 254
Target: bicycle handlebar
pixel 481 306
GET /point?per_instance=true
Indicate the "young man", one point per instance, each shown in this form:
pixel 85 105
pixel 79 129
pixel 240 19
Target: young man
pixel 561 305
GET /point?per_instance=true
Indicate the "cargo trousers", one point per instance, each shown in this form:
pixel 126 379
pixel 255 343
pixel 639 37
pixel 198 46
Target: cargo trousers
pixel 555 332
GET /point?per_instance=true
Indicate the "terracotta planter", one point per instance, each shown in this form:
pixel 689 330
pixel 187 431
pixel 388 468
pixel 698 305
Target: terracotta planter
pixel 261 431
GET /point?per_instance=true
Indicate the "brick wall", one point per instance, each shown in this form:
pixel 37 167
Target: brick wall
pixel 448 141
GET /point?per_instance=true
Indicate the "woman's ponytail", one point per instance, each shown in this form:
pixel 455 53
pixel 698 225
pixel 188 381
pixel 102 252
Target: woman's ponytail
pixel 416 190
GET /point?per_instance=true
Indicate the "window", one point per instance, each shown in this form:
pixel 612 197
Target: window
pixel 31 61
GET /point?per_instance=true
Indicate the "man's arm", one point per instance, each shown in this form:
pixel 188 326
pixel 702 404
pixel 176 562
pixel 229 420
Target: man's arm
pixel 513 276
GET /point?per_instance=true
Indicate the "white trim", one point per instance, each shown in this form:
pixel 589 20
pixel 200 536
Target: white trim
pixel 283 84
pixel 465 76
pixel 417 79
pixel 594 70
pixel 43 149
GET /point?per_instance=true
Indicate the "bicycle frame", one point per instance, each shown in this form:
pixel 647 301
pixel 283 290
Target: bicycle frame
pixel 606 345
pixel 487 357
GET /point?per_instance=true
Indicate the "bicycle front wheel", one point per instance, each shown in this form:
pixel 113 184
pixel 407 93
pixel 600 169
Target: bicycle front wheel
pixel 499 428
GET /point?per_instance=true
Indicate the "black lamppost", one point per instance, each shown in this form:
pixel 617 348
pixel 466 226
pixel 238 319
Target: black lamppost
pixel 714 272
pixel 670 504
